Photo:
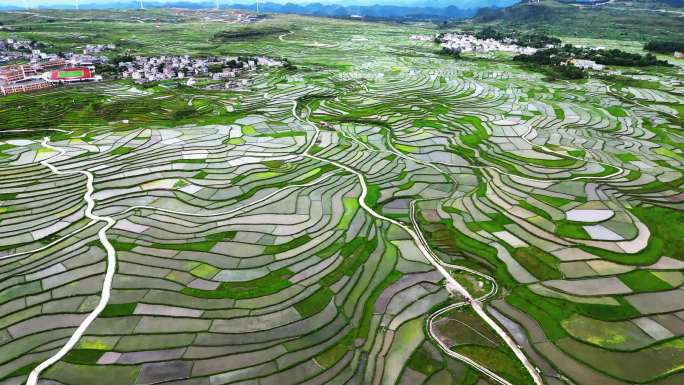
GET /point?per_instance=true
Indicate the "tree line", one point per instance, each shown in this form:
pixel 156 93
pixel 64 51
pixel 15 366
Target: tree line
pixel 667 47
pixel 555 61
pixel 558 55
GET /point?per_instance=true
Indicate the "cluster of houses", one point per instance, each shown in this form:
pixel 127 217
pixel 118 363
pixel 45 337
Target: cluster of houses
pixel 458 42
pixel 422 38
pixel 16 50
pixel 455 42
pixel 37 76
pixel 92 49
pixel 43 70
pixel 150 69
pixel 12 50
pixel 246 18
pixel 586 64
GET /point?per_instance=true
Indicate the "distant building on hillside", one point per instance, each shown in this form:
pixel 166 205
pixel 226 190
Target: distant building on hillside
pixel 422 38
pixel 679 55
pixel 587 64
pixel 462 42
pixel 78 60
pixel 246 18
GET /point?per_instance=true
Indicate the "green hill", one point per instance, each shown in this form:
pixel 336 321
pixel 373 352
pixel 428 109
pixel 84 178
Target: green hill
pixel 621 20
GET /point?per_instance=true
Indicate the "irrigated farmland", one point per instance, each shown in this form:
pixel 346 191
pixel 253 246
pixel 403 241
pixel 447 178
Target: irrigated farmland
pixel 377 213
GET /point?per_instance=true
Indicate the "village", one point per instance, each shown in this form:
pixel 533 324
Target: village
pixel 460 42
pixel 31 69
pixel 539 45
pixel 150 69
pixel 40 70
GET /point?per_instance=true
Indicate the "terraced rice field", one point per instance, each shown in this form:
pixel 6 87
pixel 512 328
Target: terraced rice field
pixel 381 215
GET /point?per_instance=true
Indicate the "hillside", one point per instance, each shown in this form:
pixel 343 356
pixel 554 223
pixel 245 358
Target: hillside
pixel 621 20
pixel 375 10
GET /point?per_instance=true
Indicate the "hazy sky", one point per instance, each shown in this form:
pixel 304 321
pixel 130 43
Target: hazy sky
pixel 463 3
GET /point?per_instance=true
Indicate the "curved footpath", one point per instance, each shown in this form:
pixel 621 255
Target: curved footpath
pixel 109 274
pixel 282 37
pixel 455 355
pixel 452 284
pixel 232 211
pixel 619 171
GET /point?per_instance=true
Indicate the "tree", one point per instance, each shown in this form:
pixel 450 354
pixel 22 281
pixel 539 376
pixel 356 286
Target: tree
pixel 454 52
pixel 122 59
pixel 570 72
pixel 216 68
pixel 664 46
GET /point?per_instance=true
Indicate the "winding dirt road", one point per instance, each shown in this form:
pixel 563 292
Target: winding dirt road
pixel 109 274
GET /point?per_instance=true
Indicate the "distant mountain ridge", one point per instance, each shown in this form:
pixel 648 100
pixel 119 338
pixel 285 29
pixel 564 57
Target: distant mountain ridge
pixel 640 20
pixel 378 11
pixel 406 9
